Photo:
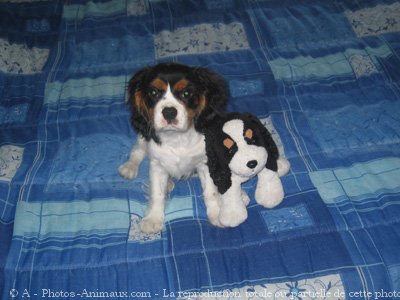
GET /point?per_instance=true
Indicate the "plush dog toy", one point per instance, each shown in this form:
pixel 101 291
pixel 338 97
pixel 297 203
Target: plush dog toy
pixel 238 148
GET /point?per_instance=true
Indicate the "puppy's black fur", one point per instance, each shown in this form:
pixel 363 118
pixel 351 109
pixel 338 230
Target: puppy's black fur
pixel 204 82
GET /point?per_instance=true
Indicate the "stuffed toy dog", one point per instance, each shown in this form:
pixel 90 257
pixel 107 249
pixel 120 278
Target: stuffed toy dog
pixel 238 148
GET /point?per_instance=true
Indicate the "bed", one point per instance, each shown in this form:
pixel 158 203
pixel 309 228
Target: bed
pixel 322 76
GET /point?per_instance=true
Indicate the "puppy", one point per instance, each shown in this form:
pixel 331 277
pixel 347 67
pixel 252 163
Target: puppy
pixel 171 104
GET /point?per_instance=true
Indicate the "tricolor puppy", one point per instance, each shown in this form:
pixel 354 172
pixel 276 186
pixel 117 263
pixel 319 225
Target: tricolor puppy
pixel 239 147
pixel 171 104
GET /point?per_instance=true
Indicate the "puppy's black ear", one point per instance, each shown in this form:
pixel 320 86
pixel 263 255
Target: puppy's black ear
pixel 141 118
pixel 215 93
pixel 266 141
pixel 219 169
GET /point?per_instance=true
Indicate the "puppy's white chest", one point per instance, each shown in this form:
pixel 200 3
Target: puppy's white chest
pixel 179 155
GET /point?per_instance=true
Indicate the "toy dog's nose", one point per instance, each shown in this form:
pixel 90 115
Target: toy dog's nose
pixel 169 113
pixel 252 164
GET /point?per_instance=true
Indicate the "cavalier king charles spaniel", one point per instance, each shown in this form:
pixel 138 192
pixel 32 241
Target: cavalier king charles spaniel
pixel 171 104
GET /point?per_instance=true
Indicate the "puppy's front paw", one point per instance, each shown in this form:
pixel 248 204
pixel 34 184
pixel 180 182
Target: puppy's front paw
pixel 233 216
pixel 128 170
pixel 170 185
pixel 151 225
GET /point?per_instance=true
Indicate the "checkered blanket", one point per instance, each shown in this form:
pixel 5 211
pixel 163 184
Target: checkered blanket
pixel 323 76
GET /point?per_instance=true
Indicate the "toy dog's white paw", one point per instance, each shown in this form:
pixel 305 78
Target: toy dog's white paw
pixel 270 200
pixel 283 166
pixel 233 216
pixel 271 195
pixel 213 217
pixel 128 170
pixel 152 225
pixel 269 191
pixel 213 209
pixel 245 198
pixel 212 201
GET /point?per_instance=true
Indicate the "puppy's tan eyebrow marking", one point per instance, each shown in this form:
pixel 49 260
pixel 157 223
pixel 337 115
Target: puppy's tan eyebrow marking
pixel 159 84
pixel 181 85
pixel 228 143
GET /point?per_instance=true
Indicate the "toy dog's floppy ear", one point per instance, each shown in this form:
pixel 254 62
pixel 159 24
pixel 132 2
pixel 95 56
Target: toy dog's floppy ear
pixel 215 92
pixel 266 141
pixel 141 118
pixel 219 169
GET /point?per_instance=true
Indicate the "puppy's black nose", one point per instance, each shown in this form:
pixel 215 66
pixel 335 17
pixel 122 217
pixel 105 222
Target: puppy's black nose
pixel 252 164
pixel 169 113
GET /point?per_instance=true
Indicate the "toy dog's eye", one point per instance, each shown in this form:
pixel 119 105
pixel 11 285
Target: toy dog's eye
pixel 249 136
pixel 228 143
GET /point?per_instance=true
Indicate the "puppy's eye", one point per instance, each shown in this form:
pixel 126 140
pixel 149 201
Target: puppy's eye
pixel 154 93
pixel 186 94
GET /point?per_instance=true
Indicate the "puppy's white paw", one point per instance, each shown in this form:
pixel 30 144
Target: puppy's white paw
pixel 233 216
pixel 128 170
pixel 170 185
pixel 151 225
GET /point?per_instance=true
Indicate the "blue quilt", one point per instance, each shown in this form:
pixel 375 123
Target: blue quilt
pixel 323 76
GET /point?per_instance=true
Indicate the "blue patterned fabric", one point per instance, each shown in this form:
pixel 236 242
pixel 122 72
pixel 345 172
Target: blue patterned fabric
pixel 323 76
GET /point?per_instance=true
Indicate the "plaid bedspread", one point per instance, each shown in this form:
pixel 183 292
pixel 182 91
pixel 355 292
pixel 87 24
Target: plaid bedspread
pixel 323 76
